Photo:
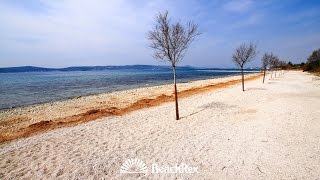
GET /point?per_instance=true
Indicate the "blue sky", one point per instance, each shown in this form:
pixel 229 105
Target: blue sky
pixel 64 33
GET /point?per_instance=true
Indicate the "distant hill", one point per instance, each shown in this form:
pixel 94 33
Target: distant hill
pixel 86 68
pixel 25 69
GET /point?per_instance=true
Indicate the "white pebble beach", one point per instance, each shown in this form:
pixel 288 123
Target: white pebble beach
pixel 269 131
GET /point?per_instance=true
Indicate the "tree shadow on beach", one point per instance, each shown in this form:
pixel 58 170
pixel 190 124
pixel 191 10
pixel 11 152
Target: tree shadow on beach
pixel 258 89
pixel 193 113
pixel 273 82
pixel 213 105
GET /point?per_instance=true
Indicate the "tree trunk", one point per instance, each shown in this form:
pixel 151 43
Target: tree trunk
pixel 242 79
pixel 275 74
pixel 264 74
pixel 175 93
pixel 271 74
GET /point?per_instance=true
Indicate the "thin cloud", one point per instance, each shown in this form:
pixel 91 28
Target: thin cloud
pixel 251 20
pixel 238 5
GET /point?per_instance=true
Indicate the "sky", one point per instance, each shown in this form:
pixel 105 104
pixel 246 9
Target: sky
pixel 62 33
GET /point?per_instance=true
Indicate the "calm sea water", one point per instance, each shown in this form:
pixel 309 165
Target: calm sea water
pixel 20 89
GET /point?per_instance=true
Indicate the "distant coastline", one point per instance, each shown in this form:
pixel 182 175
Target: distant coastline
pixel 100 68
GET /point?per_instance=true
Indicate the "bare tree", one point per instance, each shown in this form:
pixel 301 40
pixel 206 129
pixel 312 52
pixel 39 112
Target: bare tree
pixel 271 65
pixel 266 59
pixel 274 63
pixel 242 55
pixel 170 42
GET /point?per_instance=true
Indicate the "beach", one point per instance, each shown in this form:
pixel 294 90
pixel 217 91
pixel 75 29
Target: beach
pixel 269 131
pixel 29 120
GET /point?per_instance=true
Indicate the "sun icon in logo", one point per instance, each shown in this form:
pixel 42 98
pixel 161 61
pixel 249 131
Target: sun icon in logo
pixel 134 166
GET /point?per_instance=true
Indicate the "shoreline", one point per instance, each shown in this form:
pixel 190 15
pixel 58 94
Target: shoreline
pixel 113 91
pixel 26 121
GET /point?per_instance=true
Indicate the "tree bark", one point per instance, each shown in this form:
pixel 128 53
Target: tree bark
pixel 175 93
pixel 271 74
pixel 242 79
pixel 264 74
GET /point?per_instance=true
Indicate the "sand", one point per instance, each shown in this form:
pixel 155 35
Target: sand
pixel 270 131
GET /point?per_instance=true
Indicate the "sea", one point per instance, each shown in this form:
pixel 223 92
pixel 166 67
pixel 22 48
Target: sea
pixel 28 88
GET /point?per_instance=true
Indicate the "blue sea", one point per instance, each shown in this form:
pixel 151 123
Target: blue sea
pixel 27 88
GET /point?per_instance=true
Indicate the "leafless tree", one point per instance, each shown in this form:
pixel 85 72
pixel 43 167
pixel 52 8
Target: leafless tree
pixel 276 66
pixel 242 55
pixel 266 59
pixel 270 60
pixel 170 42
pixel 274 63
pixel 271 64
